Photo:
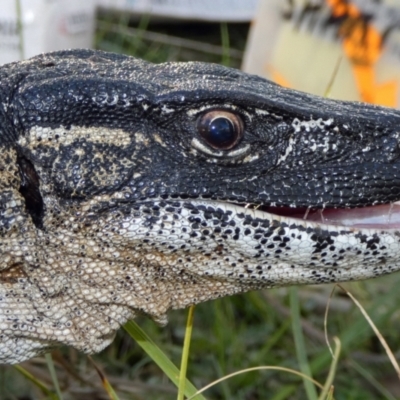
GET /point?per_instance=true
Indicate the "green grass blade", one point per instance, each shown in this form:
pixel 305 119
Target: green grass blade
pixel 284 392
pixel 326 391
pixel 185 353
pixel 159 357
pixel 52 370
pixel 372 380
pixel 110 390
pixel 138 39
pixel 300 344
pixel 20 28
pixel 36 382
pixel 105 382
pixel 265 368
pixel 333 77
pixel 226 58
pixel 359 330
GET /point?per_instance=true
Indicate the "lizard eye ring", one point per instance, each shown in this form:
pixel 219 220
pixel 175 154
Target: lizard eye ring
pixel 222 130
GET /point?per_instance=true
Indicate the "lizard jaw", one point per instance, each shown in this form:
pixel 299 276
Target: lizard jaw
pixel 384 216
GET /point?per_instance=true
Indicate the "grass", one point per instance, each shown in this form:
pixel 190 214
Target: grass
pixel 279 328
pixel 241 332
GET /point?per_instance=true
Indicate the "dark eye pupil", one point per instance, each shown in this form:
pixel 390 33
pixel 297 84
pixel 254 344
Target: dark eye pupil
pixel 221 132
pixel 220 129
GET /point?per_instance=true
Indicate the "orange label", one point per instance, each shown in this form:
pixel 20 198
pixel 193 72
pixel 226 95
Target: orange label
pixel 362 45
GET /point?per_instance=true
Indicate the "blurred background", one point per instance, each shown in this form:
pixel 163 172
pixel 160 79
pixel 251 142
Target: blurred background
pixel 342 49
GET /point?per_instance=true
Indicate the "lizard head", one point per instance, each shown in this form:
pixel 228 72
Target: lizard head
pixel 137 188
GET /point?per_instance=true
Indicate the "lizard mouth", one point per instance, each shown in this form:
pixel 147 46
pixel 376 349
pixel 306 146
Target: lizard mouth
pixel 386 216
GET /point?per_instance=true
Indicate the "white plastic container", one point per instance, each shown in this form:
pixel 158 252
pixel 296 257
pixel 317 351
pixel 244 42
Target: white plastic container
pixel 47 25
pixel 299 44
pixel 206 10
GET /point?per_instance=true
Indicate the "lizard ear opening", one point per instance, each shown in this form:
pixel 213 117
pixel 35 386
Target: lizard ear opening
pixel 30 190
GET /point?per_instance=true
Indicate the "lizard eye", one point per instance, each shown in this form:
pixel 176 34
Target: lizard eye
pixel 220 129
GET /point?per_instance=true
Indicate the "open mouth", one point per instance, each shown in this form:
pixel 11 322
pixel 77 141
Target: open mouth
pixel 386 216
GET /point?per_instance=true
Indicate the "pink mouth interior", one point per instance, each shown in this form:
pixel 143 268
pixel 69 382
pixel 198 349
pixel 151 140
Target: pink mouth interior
pixel 374 217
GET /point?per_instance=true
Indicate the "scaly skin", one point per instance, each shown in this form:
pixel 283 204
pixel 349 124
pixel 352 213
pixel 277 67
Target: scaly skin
pixel 112 203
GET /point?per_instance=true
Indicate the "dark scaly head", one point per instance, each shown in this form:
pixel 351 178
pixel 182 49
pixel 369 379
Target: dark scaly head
pixel 130 187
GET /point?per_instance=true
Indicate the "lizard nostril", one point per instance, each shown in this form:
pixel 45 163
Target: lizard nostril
pixel 30 190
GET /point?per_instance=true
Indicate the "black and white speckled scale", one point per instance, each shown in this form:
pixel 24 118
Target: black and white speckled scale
pixel 113 204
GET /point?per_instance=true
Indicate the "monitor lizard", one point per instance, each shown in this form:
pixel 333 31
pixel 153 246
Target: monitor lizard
pixel 131 188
